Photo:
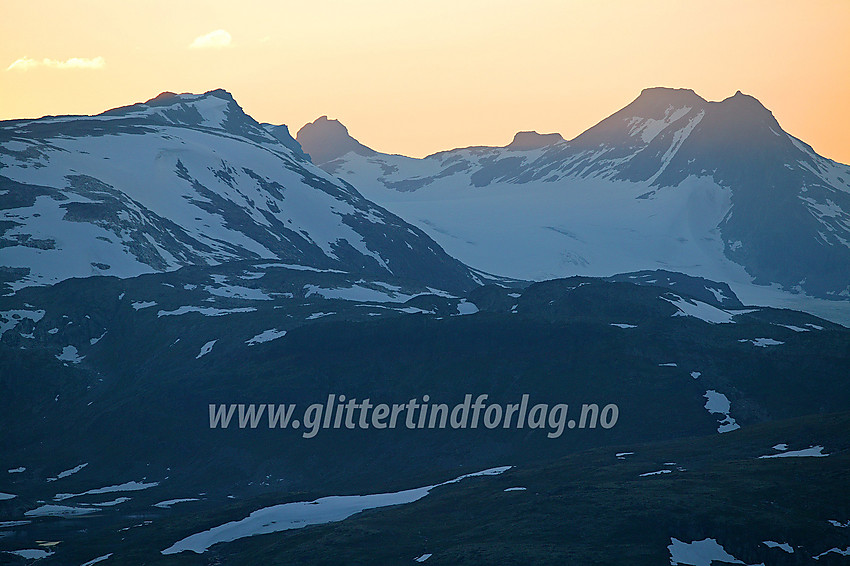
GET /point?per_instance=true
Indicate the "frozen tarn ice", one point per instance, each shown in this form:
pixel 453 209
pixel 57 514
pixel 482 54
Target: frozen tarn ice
pixel 699 553
pixel 300 514
pixel 836 550
pixel 762 342
pixel 30 553
pixel 5 496
pixel 782 545
pixel 623 325
pixel 139 305
pixel 69 354
pixel 516 489
pixel 266 336
pixel 422 558
pixel 718 404
pixel 811 452
pixel 700 310
pixel 59 511
pixel 465 307
pixel 170 502
pixel 70 472
pixel 96 560
pixel 206 311
pixel 128 486
pixel 206 348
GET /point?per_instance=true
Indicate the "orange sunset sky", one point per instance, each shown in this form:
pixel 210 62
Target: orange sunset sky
pixel 415 77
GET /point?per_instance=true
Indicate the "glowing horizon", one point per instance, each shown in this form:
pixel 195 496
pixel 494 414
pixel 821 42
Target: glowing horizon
pixel 419 78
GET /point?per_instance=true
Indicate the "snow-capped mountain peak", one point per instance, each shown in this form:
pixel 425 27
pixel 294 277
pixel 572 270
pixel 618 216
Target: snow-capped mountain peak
pixel 662 120
pixel 215 109
pixel 670 181
pixel 187 180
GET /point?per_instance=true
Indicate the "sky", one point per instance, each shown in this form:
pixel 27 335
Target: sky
pixel 416 77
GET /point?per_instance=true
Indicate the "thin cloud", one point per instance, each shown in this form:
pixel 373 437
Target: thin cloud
pixel 213 40
pixel 27 63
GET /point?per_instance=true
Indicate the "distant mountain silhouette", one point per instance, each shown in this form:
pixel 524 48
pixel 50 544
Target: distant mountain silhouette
pixel 533 140
pixel 325 140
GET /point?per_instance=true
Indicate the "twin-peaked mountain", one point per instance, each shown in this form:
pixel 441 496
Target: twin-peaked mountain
pixel 671 181
pixel 188 180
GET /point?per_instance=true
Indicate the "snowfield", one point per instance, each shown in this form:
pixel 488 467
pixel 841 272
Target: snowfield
pixel 647 188
pixel 301 514
pixel 191 180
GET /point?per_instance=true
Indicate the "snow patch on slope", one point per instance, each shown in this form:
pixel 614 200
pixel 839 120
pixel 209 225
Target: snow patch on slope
pixel 301 514
pixel 718 404
pixel 699 553
pixel 700 310
pixel 811 452
pixel 206 349
pixel 266 336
